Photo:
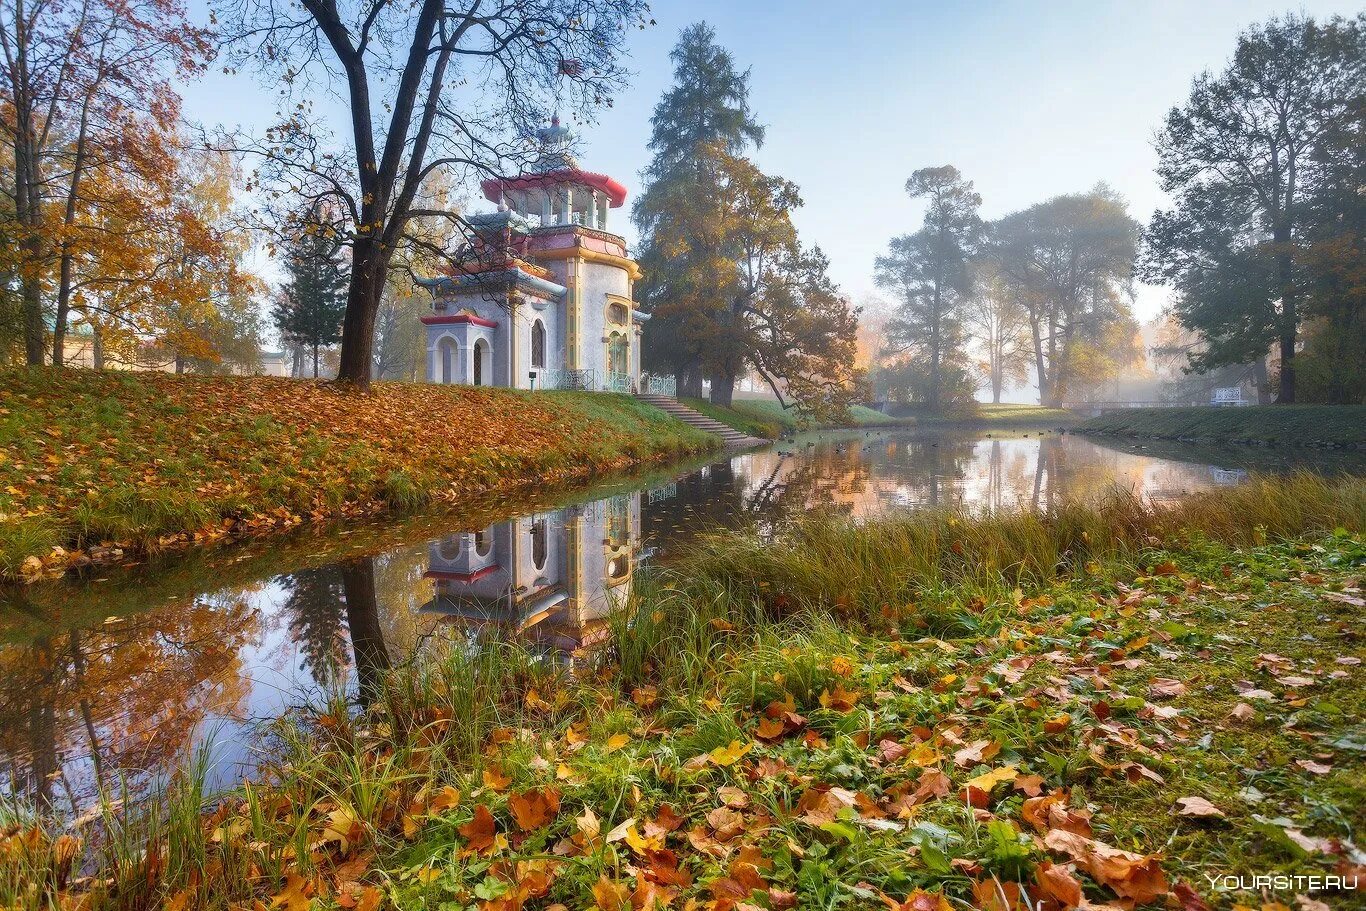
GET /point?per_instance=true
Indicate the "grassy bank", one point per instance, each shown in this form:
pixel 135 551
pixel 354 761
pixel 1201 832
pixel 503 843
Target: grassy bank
pixel 1287 425
pixel 1098 705
pixel 767 419
pixel 987 416
pixel 102 461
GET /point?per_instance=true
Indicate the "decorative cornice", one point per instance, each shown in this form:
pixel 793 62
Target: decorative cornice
pixel 629 266
pixel 584 230
pixel 494 278
pixel 467 578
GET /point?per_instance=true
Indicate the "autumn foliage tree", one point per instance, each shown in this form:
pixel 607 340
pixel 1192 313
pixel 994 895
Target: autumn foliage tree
pixel 428 86
pixel 752 297
pixel 87 99
pixel 707 106
pixel 159 275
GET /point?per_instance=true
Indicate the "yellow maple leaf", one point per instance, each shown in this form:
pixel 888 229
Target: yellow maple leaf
pixel 730 755
pixel 988 780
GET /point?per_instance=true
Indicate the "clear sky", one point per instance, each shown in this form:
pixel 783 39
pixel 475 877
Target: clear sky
pixel 1028 100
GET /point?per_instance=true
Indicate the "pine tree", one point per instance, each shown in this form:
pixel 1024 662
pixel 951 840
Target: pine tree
pixel 929 271
pixel 309 311
pixel 707 106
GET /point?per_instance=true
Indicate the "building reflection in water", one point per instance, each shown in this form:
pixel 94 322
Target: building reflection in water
pixel 548 579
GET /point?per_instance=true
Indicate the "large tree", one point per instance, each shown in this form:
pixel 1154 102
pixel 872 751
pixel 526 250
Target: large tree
pixel 1069 261
pixel 1240 158
pixel 929 273
pixel 86 89
pixel 752 297
pixel 427 86
pixel 707 107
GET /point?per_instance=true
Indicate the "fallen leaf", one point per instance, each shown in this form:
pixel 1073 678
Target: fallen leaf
pixel 1197 806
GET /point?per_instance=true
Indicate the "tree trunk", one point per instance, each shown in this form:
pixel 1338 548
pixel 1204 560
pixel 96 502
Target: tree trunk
pixel 1286 394
pixel 68 221
pixel 723 389
pixel 97 345
pixel 1259 378
pixel 690 381
pixel 315 360
pixel 368 265
pixel 1040 370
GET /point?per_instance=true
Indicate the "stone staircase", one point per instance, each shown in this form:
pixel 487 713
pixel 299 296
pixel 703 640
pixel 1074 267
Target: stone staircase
pixel 733 438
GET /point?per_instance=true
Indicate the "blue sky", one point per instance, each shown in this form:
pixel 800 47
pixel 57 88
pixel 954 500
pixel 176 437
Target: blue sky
pixel 1028 100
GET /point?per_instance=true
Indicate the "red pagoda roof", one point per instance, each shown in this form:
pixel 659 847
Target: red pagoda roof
pixel 616 193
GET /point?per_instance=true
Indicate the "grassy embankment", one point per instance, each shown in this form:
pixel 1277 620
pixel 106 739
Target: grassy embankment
pixel 986 416
pixel 1289 425
pixel 1096 705
pixel 89 460
pixel 767 419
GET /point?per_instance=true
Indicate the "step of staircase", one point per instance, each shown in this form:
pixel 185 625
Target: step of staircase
pixel 729 435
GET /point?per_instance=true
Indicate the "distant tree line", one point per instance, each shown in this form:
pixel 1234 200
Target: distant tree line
pixel 1045 290
pixel 1263 249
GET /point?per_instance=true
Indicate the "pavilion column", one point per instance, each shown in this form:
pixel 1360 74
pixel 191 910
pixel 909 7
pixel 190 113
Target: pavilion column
pixel 568 206
pixel 593 212
pixel 545 207
pixel 602 212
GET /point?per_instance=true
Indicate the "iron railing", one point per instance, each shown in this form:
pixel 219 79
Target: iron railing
pixel 659 385
pixel 587 380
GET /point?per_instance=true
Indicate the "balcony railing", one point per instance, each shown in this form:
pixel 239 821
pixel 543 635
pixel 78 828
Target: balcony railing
pixel 585 380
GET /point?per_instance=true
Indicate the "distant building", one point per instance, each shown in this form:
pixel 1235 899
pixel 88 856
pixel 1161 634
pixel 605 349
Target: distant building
pixel 276 363
pixel 543 297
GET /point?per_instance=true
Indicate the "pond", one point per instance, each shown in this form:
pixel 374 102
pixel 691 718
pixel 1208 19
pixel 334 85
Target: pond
pixel 118 674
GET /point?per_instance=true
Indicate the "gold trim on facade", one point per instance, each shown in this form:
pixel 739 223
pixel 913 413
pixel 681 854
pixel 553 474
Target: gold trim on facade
pixel 593 256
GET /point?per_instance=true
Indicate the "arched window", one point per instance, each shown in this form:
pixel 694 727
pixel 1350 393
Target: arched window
pixel 479 348
pixel 482 544
pixel 538 344
pixel 538 544
pixel 449 548
pixel 446 347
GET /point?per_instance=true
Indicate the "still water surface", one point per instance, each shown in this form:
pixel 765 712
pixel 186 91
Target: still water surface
pixel 120 673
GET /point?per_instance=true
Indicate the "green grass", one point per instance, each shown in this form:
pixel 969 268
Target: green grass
pixel 1291 425
pixel 767 419
pixel 990 416
pixel 94 462
pixel 773 714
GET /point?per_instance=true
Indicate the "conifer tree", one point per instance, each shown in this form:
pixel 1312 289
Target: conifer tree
pixel 708 106
pixel 311 307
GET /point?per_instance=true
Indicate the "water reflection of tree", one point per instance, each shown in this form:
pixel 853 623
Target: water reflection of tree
pixel 313 600
pixel 80 706
pixel 363 621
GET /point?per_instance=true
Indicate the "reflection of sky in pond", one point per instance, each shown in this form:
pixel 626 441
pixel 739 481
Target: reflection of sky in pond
pixel 87 696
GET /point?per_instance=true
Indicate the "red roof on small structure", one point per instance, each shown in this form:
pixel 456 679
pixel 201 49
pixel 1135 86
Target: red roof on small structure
pixel 458 318
pixel 616 193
